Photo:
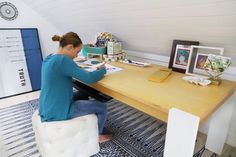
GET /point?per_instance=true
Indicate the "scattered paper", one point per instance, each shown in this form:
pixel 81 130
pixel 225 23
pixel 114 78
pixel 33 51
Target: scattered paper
pixel 112 69
pixel 92 65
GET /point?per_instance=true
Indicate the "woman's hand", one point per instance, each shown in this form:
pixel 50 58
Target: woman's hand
pixel 98 66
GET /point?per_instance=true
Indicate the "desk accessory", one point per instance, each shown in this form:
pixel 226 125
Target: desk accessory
pixel 136 63
pixel 207 62
pixel 114 47
pixel 215 66
pixel 197 59
pixel 91 50
pixel 160 75
pixel 197 80
pixel 94 49
pixel 180 54
pixel 114 57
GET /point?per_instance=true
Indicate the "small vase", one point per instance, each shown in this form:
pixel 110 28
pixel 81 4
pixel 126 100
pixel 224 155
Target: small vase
pixel 215 80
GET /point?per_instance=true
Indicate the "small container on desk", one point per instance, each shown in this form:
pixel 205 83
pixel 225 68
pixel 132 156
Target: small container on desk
pixel 114 48
pixel 95 51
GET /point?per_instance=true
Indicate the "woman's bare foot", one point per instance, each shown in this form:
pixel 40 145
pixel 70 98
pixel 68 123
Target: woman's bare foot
pixel 104 138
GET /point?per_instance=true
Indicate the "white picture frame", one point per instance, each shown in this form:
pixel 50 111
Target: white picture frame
pixel 197 52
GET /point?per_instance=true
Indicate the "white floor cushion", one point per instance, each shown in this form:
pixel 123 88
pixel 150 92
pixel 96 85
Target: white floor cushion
pixel 77 137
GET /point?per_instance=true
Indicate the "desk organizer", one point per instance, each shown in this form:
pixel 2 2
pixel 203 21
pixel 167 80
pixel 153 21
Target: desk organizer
pixel 95 50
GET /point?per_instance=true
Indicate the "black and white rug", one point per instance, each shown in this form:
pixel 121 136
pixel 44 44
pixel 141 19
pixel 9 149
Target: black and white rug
pixel 135 134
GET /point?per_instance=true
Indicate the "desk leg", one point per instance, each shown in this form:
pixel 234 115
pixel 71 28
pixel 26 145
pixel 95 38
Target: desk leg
pixel 181 134
pixel 219 125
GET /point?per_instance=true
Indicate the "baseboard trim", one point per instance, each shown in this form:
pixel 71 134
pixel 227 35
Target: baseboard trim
pixel 229 74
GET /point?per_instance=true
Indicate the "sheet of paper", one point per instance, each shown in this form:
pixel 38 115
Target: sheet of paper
pixel 112 69
pixel 91 65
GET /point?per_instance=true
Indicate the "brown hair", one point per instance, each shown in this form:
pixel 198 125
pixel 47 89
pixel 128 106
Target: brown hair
pixel 68 38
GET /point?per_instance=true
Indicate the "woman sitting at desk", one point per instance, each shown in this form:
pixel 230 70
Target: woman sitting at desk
pixel 57 100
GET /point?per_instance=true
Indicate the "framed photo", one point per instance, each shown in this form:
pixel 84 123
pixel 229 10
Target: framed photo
pixel 201 59
pixel 180 54
pixel 198 57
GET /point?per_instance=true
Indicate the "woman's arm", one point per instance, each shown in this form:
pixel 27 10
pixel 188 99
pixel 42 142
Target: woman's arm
pixel 70 68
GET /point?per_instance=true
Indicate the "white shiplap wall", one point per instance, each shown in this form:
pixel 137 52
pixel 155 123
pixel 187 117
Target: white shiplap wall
pixel 147 26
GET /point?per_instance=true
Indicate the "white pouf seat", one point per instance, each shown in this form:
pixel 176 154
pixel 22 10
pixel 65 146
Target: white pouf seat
pixel 76 137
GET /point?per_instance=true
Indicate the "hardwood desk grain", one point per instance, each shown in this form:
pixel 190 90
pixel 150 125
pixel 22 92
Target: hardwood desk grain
pixel 132 87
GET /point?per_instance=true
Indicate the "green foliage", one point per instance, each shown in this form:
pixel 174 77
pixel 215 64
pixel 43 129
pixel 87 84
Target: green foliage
pixel 216 65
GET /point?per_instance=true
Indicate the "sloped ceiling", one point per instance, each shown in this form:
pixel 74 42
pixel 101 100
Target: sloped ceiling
pixel 146 26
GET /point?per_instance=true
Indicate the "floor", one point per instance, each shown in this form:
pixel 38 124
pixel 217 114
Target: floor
pixel 228 151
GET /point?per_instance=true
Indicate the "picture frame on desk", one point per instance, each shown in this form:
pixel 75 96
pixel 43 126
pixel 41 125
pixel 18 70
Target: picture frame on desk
pixel 198 57
pixel 199 63
pixel 180 54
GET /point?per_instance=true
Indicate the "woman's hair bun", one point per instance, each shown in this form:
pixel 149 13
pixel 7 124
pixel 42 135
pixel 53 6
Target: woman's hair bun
pixel 56 38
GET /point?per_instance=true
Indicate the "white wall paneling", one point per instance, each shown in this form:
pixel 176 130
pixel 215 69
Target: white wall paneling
pixel 147 26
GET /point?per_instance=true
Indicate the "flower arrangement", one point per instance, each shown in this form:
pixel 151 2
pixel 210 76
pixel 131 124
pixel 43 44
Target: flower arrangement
pixel 216 65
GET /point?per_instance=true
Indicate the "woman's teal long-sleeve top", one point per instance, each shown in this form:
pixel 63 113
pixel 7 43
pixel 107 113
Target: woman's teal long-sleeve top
pixel 56 88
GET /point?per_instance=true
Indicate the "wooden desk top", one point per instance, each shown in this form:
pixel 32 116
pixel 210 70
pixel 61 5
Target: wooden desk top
pixel 131 86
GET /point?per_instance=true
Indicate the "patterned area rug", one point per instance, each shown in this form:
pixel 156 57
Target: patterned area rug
pixel 135 134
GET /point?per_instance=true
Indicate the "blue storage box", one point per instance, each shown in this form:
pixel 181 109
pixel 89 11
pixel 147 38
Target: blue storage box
pixel 95 50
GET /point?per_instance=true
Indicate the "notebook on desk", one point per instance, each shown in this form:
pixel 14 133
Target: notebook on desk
pixel 160 75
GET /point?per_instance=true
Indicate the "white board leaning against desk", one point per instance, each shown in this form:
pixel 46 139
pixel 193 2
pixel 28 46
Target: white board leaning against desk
pixel 20 61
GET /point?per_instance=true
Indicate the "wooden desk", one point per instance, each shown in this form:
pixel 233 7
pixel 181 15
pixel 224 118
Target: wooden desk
pixel 132 87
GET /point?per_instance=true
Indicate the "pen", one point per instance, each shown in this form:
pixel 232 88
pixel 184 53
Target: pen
pixel 130 61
